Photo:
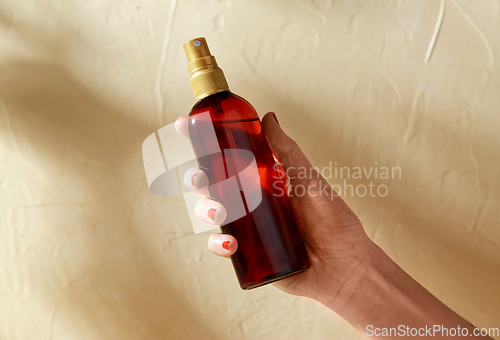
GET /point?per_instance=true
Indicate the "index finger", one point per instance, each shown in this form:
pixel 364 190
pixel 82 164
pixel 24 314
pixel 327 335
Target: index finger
pixel 181 126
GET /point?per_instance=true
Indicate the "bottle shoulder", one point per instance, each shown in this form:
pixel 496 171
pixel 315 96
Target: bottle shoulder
pixel 224 107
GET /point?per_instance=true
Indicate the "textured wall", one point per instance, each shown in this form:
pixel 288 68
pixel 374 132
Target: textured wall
pixel 86 252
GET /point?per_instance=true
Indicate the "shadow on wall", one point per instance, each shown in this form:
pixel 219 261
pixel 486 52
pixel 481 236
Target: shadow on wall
pixel 81 145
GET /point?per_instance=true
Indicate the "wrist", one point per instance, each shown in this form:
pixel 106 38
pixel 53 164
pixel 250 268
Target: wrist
pixel 367 285
pixel 367 291
pixel 377 292
pixel 346 276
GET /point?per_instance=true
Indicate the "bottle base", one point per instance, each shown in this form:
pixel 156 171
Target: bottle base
pixel 273 278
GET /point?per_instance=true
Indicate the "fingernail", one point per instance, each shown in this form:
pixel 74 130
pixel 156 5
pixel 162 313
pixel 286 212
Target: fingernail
pixel 192 179
pixel 211 213
pixel 276 118
pixel 225 245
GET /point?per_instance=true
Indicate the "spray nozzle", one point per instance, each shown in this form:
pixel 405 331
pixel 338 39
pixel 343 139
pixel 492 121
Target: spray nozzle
pixel 196 48
pixel 206 76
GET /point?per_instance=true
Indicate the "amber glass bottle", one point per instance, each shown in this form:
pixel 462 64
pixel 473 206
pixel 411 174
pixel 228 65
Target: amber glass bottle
pixel 270 246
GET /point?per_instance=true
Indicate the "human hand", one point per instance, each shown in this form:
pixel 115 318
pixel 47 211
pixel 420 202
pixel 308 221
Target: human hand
pixel 349 273
pixel 335 240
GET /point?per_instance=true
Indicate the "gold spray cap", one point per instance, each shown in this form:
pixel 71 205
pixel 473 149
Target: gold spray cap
pixel 206 76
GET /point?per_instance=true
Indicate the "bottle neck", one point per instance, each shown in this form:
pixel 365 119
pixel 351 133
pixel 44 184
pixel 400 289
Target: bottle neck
pixel 206 77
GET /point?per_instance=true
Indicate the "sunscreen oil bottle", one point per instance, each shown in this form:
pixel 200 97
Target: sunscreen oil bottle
pixel 270 246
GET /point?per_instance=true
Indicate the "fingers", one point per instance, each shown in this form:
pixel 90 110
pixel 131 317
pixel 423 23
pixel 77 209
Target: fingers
pixel 222 244
pixel 206 209
pixel 181 126
pixel 196 180
pixel 210 211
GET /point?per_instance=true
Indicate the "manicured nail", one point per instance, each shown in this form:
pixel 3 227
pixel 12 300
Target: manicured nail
pixel 276 118
pixel 222 245
pixel 211 213
pixel 195 180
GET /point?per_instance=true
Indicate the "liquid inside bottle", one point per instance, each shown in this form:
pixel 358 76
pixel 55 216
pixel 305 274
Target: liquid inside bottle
pixel 270 246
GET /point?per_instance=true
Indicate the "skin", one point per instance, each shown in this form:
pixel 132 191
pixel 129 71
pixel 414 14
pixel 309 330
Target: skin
pixel 349 273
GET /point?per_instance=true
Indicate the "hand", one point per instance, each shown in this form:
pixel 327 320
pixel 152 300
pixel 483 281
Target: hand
pixel 336 242
pixel 349 273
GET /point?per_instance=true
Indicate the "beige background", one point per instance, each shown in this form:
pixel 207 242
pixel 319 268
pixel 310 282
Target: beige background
pixel 87 252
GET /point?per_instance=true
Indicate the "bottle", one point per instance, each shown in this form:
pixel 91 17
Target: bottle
pixel 270 246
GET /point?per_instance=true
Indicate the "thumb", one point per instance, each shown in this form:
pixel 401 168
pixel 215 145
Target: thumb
pixel 284 148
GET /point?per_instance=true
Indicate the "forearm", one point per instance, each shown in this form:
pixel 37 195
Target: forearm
pixel 379 294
